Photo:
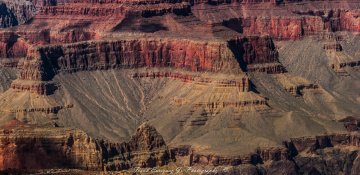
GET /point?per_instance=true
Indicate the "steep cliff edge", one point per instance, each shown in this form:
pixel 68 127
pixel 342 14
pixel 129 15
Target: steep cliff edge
pixel 43 62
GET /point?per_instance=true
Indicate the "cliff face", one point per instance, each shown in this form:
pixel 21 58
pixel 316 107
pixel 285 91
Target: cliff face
pixel 279 28
pixel 287 20
pixel 26 147
pixel 255 54
pixel 29 147
pixel 146 148
pixel 13 13
pixel 131 54
pixel 338 153
pixel 43 62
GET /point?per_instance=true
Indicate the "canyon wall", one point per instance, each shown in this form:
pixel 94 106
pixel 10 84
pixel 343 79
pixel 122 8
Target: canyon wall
pixel 132 53
pixel 43 62
pixel 193 2
pixel 256 54
pixel 26 147
pixel 29 147
pixel 307 146
pixel 294 24
pixel 42 148
pixel 13 13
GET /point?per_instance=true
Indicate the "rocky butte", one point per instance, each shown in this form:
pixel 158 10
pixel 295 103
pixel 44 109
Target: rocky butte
pixel 259 87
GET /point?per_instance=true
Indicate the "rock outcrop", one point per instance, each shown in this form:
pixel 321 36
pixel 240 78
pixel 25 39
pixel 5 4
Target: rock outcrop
pixel 46 110
pixel 333 47
pixel 256 54
pixel 13 13
pixel 339 67
pixel 345 64
pixel 296 90
pixel 351 123
pixel 296 150
pixel 27 147
pixel 37 87
pixel 183 77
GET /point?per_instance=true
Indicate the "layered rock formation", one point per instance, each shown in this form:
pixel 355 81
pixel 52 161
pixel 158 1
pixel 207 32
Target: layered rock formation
pixel 351 123
pixel 18 12
pixel 296 90
pixel 296 150
pixel 13 13
pixel 37 87
pixel 22 144
pixel 333 47
pixel 25 146
pixel 50 110
pixel 43 62
pixel 218 76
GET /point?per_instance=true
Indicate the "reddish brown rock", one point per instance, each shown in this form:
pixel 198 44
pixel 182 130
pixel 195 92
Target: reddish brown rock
pixel 12 46
pixel 312 145
pixel 183 77
pixel 85 9
pixel 278 27
pixel 256 55
pixel 176 53
pixel 37 87
pixel 351 123
pixel 293 22
pixel 13 13
pixel 42 148
pixel 273 154
pixel 262 155
pixel 254 49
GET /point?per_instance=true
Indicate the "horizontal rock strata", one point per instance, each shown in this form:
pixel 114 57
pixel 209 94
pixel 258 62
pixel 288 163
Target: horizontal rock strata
pixel 37 87
pixel 29 147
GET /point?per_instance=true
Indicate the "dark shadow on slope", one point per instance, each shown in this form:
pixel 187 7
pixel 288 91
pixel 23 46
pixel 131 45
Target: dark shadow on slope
pixel 8 18
pixel 152 27
pixel 132 25
pixel 50 62
pixel 234 24
pixel 238 53
pixel 76 26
